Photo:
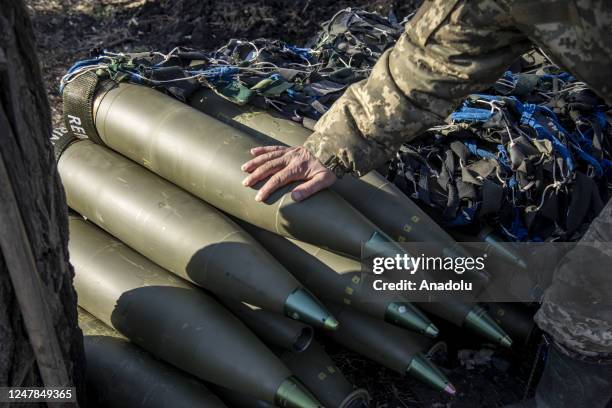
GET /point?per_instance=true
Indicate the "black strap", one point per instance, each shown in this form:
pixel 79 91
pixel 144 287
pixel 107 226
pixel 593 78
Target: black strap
pixel 585 202
pixel 492 198
pixel 60 140
pixel 423 186
pixel 78 97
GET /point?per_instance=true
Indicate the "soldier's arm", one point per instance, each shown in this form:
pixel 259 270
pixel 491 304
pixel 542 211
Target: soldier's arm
pixel 450 49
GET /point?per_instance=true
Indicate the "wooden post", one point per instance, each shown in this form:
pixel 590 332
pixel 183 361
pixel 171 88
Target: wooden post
pixel 40 342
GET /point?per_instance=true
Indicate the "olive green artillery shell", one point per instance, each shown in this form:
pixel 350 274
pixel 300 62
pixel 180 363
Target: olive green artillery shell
pixel 171 227
pixel 395 348
pixel 272 328
pixel 515 318
pixel 167 316
pixel 315 369
pixel 470 316
pixel 373 195
pixel 204 156
pixel 234 399
pixel 328 275
pixel 122 375
pixel 382 342
pixel 92 326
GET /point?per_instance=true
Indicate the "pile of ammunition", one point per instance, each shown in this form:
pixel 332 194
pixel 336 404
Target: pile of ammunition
pixel 192 293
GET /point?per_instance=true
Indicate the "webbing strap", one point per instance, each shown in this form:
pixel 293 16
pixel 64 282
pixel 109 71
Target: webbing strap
pixel 61 140
pixel 78 97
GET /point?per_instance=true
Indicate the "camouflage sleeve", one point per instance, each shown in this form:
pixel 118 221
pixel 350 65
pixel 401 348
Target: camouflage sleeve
pixel 451 48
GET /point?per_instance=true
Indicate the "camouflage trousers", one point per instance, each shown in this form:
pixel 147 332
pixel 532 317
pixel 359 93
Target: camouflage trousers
pixel 583 329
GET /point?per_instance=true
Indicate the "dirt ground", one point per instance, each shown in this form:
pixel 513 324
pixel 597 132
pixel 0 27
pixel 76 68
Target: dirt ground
pixel 67 30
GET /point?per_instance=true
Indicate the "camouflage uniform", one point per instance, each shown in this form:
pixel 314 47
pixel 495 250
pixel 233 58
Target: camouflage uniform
pixel 452 48
pixel 577 307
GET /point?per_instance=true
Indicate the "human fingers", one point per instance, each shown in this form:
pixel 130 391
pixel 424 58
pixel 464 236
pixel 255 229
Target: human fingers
pixel 265 170
pixel 261 159
pixel 279 179
pixel 317 183
pixel 256 151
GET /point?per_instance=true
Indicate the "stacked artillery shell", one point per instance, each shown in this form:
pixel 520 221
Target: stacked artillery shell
pixel 315 369
pixel 174 320
pixel 273 329
pixel 332 277
pixel 470 316
pixel 494 245
pixel 304 357
pixel 92 326
pixel 373 195
pixel 183 325
pixel 388 345
pixel 337 278
pixel 120 374
pixel 179 232
pixel 204 155
pixel 515 318
pixel 237 400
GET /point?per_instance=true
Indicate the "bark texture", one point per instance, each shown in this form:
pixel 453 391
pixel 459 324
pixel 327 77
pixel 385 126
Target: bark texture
pixel 25 127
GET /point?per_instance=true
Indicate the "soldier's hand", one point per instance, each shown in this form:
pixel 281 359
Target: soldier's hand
pixel 285 165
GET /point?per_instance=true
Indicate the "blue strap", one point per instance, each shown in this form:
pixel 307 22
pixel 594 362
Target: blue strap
pixel 513 182
pixel 304 53
pixel 518 228
pixel 564 76
pixel 477 151
pixel 469 114
pixel 529 118
pixel 503 157
pixel 465 216
pixel 583 154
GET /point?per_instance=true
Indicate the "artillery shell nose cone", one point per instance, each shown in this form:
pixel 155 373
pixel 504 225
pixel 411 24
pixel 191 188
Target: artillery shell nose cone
pixel 450 389
pixel 479 321
pixel 506 342
pixel 409 317
pixel 505 251
pixel 292 394
pixel 381 244
pixel 432 331
pixel 426 371
pixel 301 305
pixel 331 323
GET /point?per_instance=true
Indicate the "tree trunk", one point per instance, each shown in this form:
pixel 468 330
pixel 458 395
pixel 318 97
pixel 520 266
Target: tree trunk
pixel 25 127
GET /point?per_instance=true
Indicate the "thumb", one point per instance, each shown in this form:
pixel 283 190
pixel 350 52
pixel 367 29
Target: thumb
pixel 317 183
